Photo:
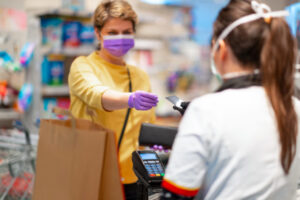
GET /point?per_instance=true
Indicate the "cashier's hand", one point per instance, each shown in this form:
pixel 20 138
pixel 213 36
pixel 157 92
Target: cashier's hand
pixel 141 100
pixel 183 108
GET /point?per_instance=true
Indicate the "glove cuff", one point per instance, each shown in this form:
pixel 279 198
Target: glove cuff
pixel 131 101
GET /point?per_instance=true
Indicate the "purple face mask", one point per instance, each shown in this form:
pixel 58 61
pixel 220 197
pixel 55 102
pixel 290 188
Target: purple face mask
pixel 118 45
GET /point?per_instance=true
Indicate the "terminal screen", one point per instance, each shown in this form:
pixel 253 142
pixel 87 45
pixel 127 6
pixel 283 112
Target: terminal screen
pixel 148 156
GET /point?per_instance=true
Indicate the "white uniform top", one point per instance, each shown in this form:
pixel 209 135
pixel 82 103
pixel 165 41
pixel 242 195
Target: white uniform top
pixel 228 145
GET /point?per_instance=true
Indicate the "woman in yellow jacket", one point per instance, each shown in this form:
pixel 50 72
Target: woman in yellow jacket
pixel 103 82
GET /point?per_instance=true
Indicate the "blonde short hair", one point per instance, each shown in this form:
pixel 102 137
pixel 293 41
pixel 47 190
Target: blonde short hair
pixel 113 9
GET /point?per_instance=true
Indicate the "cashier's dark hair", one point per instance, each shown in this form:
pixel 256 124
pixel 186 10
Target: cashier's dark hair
pixel 270 47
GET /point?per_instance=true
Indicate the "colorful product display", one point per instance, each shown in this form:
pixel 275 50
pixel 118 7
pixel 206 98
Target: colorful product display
pixel 53 70
pixel 58 33
pixel 62 34
pixel 8 63
pixel 52 32
pixel 71 33
pixel 25 97
pixel 4 58
pixel 180 80
pixel 86 33
pixel 50 103
pixel 26 54
pixel 7 95
pixel 56 72
pixel 11 79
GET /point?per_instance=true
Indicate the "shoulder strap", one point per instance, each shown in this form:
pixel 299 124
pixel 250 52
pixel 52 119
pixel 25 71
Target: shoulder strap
pixel 127 113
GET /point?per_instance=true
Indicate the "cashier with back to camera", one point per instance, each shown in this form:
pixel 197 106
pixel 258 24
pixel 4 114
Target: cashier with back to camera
pixel 118 93
pixel 242 142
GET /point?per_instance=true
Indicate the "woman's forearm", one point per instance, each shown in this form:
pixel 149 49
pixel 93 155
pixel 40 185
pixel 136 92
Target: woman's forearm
pixel 113 100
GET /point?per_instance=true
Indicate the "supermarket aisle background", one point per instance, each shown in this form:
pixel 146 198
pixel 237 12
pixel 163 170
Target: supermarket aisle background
pixel 172 46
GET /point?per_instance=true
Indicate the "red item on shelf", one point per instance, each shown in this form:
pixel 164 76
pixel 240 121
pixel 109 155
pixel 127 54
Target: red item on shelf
pixel 63 103
pixel 3 88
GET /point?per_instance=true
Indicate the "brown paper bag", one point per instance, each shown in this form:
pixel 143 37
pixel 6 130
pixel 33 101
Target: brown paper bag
pixel 76 160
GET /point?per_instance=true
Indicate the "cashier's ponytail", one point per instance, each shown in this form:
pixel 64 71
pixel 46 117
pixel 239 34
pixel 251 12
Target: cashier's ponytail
pixel 267 45
pixel 278 58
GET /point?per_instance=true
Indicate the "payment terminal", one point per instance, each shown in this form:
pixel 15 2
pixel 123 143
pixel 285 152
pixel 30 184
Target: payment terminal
pixel 148 166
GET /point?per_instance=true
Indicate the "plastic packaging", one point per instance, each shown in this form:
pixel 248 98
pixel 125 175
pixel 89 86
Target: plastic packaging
pixel 86 34
pixel 57 72
pixel 9 98
pixel 4 58
pixel 52 32
pixel 49 104
pixel 53 70
pixel 3 88
pixel 46 71
pixel 26 54
pixel 63 103
pixel 8 63
pixel 25 97
pixel 71 33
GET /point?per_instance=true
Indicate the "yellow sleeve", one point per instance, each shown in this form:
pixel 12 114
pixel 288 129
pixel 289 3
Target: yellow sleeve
pixel 84 84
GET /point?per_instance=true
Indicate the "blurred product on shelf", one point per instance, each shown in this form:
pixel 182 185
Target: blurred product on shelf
pixel 25 97
pixel 7 95
pixel 3 89
pixel 52 32
pixel 12 78
pixel 50 103
pixel 66 32
pixel 71 33
pixel 4 58
pixel 53 70
pixel 27 54
pixel 180 80
pixel 7 62
pixel 86 33
pixel 63 103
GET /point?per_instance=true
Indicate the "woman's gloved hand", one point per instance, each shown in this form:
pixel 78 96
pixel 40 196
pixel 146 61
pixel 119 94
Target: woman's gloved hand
pixel 141 100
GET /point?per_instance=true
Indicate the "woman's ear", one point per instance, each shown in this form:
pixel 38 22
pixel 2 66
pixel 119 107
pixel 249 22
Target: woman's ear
pixel 223 50
pixel 97 33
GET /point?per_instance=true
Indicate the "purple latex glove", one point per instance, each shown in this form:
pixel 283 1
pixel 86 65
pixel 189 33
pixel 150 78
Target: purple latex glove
pixel 141 100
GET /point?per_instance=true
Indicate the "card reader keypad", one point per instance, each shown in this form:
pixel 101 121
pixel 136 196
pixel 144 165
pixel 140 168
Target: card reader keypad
pixel 154 168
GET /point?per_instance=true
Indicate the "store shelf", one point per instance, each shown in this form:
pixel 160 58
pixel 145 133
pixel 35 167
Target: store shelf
pixel 9 114
pixel 62 12
pixel 69 51
pixel 53 91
